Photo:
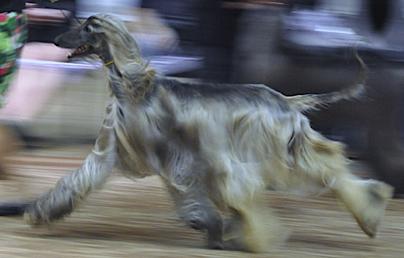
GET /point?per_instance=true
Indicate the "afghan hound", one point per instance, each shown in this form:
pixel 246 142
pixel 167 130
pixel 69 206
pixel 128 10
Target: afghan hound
pixel 216 147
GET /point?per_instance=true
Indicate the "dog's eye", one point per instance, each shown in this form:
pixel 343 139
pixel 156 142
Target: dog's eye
pixel 87 28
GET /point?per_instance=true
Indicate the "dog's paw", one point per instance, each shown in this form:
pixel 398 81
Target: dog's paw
pixel 373 209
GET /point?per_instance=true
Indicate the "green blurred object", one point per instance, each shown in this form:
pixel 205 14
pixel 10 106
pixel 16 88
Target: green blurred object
pixel 13 34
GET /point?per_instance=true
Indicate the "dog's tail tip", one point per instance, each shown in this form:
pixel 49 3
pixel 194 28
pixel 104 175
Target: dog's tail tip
pixel 351 93
pixel 314 101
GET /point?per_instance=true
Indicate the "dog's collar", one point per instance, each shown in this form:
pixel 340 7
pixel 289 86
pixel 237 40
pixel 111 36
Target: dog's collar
pixel 108 63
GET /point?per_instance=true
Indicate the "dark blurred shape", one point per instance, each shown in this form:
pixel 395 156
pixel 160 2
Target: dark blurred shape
pixel 205 27
pixel 380 13
pixel 303 3
pixel 217 36
pixel 47 19
pixel 178 14
pixel 12 5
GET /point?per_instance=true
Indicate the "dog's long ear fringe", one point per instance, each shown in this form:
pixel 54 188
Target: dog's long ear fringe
pixel 13 209
pixel 315 101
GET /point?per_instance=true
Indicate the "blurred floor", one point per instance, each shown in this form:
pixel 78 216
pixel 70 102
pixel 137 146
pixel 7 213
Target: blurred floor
pixel 136 219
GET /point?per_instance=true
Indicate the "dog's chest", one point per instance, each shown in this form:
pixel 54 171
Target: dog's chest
pixel 133 156
pixel 135 139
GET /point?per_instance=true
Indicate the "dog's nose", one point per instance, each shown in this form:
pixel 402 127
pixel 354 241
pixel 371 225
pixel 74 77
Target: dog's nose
pixel 56 41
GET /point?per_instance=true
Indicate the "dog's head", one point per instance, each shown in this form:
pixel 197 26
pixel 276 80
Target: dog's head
pixel 102 35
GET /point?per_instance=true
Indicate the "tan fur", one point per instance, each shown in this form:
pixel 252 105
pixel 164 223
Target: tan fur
pixel 217 154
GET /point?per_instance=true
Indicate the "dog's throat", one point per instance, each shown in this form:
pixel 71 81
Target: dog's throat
pixel 107 61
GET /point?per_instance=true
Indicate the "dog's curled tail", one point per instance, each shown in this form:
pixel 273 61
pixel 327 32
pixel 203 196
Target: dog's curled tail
pixel 314 101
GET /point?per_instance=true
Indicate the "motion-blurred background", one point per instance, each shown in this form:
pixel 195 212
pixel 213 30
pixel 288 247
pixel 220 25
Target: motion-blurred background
pixel 295 47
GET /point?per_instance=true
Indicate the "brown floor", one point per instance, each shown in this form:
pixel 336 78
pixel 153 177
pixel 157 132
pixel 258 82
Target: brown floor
pixel 136 219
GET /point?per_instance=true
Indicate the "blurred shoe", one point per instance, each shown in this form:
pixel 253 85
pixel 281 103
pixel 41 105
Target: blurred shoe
pixel 10 142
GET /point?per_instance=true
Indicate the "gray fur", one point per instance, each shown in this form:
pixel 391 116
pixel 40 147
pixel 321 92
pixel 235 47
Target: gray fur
pixel 216 147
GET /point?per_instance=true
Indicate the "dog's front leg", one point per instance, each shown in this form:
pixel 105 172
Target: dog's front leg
pixel 199 212
pixel 73 188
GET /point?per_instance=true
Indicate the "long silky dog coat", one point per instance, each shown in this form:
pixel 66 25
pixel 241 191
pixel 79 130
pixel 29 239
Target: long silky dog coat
pixel 217 147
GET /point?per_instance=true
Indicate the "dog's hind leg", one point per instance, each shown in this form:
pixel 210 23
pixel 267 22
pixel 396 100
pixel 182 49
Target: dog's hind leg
pixel 199 212
pixel 73 188
pixel 324 161
pixel 365 199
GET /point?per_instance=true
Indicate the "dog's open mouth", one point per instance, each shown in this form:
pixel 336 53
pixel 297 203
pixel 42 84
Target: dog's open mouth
pixel 80 51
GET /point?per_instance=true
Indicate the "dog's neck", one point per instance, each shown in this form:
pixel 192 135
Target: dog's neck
pixel 108 61
pixel 127 84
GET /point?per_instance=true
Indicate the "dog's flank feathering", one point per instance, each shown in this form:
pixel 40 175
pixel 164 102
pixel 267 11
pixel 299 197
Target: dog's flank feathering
pixel 217 147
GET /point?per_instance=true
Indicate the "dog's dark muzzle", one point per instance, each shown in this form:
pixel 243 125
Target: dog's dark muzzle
pixel 70 39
